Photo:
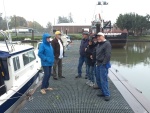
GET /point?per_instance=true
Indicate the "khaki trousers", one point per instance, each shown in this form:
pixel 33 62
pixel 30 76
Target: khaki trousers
pixel 57 63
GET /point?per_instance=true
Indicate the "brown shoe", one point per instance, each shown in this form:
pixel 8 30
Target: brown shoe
pixel 49 89
pixel 43 91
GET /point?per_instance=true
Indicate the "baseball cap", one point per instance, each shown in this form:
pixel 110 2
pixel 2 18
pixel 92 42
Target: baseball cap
pixel 100 34
pixel 85 33
pixel 57 33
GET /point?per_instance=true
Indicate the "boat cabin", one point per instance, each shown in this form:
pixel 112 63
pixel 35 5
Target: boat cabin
pixel 14 65
pixel 19 69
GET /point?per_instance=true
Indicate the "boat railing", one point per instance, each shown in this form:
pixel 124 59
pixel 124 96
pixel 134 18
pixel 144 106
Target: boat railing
pixel 6 38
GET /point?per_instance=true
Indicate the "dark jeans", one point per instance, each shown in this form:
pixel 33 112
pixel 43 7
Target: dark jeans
pixel 95 75
pixel 47 74
pixel 90 70
pixel 102 79
pixel 57 63
pixel 82 59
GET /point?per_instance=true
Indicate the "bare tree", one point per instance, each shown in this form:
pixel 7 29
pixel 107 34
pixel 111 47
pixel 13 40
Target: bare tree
pixel 70 18
pixel 49 27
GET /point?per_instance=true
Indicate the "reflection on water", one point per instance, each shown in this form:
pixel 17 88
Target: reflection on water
pixel 133 62
pixel 132 54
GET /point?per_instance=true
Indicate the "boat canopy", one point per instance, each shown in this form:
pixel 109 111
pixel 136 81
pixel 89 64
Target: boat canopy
pixel 4 54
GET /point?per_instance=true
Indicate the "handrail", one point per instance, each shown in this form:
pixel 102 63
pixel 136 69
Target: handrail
pixel 5 37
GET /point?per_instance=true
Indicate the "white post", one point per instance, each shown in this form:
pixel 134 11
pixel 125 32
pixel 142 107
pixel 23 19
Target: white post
pixel 102 14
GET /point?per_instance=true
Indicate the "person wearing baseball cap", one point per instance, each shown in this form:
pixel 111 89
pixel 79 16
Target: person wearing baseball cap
pixel 82 58
pixel 103 55
pixel 57 44
pixel 57 33
pixel 101 34
pixel 85 33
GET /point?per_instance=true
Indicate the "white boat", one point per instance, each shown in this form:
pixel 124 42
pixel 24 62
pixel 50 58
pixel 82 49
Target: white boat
pixel 19 70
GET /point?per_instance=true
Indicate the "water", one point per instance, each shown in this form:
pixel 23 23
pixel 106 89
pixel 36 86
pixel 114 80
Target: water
pixel 133 62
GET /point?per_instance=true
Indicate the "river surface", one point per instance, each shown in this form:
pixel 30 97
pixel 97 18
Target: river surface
pixel 133 62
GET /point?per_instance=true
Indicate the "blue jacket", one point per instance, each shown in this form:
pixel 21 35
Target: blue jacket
pixel 83 45
pixel 46 53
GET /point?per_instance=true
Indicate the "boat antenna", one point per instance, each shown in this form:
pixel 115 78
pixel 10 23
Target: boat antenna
pixel 101 17
pixel 9 36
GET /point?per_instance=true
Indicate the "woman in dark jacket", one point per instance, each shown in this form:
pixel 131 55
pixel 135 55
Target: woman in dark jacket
pixel 90 63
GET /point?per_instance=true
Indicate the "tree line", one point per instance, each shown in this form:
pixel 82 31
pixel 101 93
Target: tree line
pixel 63 19
pixel 133 23
pixel 20 22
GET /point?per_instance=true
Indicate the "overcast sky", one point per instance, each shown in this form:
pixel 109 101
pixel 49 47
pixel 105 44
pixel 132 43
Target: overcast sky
pixel 82 11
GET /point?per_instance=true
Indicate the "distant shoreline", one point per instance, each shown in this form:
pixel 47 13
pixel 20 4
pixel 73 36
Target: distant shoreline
pixel 137 40
pixel 79 37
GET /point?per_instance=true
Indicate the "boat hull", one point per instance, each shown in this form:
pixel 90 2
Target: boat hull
pixel 117 41
pixel 11 104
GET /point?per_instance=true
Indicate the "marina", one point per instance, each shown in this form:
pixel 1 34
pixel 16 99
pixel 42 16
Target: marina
pixel 24 63
pixel 72 95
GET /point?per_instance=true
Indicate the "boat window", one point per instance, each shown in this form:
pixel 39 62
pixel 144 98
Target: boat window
pixel 28 57
pixel 31 56
pixel 16 63
pixel 25 59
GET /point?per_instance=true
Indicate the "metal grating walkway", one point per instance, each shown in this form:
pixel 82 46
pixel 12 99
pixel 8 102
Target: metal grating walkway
pixel 73 95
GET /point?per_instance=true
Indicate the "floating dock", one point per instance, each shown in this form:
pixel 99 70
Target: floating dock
pixel 71 95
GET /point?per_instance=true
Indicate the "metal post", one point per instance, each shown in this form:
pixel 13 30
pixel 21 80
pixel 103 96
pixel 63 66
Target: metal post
pixel 32 34
pixel 15 26
pixel 102 16
pixel 66 31
pixel 102 20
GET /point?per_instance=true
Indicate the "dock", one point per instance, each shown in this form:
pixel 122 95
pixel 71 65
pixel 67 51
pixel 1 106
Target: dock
pixel 71 95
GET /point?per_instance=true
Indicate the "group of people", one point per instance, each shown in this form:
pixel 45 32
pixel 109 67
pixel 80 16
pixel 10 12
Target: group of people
pixel 95 51
pixel 51 54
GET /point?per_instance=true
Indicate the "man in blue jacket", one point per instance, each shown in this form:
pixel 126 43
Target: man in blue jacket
pixel 46 55
pixel 82 58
